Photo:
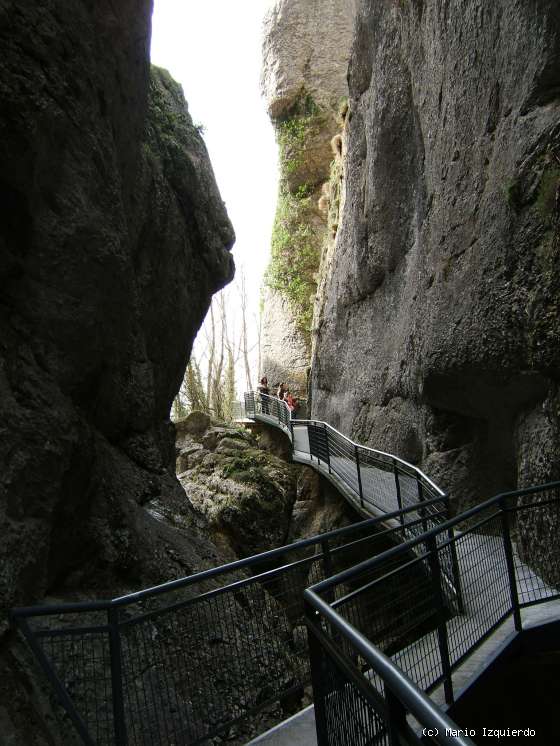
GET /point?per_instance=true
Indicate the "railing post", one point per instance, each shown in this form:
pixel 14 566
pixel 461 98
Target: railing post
pixel 360 488
pixel 421 511
pixel 115 650
pixel 327 447
pixel 314 426
pixel 396 718
pixel 443 644
pixel 508 549
pixel 318 678
pixel 398 488
pixel 454 561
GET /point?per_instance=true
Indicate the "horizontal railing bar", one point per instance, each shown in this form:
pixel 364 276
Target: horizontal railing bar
pixel 258 558
pixel 358 591
pixel 527 506
pixel 230 588
pixel 415 469
pixel 67 608
pixel 392 530
pixel 418 704
pixel 213 572
pixel 446 526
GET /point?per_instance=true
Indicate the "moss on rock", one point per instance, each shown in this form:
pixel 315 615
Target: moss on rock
pixel 244 494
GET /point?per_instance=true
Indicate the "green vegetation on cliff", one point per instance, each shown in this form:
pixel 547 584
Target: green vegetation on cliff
pixel 295 253
pixel 295 131
pixel 296 235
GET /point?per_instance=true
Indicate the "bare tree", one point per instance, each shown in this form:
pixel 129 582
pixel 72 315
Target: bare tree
pixel 244 341
pixel 221 357
pixel 211 352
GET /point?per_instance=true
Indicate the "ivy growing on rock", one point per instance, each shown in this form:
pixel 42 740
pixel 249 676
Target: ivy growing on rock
pixel 295 253
pixel 296 239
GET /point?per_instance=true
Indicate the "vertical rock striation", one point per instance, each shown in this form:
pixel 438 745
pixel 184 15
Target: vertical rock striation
pixel 305 55
pixel 437 337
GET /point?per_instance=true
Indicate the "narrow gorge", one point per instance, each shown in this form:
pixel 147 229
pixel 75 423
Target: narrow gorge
pixel 411 296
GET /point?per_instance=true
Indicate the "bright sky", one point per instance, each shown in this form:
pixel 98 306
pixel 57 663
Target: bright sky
pixel 213 48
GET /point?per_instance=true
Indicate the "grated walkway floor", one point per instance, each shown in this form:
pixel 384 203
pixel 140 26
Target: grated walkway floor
pixel 485 600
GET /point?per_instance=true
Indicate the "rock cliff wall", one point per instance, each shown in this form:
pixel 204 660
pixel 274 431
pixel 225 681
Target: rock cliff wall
pixel 437 336
pixel 113 238
pixel 305 56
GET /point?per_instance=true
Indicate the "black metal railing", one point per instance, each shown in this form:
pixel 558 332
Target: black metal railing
pixel 361 696
pixel 377 482
pixel 185 661
pixel 374 482
pixel 268 407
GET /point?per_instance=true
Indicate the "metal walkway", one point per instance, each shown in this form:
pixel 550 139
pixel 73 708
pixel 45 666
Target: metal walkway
pixel 189 660
pixel 476 552
pixel 373 481
pixel 499 597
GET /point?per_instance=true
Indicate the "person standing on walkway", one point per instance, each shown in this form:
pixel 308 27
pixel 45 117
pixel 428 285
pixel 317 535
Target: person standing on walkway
pixel 264 391
pixel 292 403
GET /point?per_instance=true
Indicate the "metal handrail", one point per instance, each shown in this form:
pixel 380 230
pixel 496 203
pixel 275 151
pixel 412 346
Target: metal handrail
pixel 416 702
pixel 455 639
pixel 241 564
pixel 377 452
pixel 119 618
pixel 372 562
pixel 359 472
pixel 351 442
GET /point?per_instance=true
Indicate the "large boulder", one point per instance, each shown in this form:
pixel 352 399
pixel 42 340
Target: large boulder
pixel 244 493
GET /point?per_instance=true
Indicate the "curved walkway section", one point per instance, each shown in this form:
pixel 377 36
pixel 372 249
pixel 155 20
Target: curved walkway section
pixel 357 703
pixel 374 482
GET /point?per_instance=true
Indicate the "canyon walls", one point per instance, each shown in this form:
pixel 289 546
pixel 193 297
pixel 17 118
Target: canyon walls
pixel 437 327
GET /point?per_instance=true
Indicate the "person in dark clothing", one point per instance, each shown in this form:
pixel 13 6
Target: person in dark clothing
pixel 264 392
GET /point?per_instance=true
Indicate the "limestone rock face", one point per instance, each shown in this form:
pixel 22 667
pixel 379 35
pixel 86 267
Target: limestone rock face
pixel 285 354
pixel 306 45
pixel 437 339
pixel 305 56
pixel 113 238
